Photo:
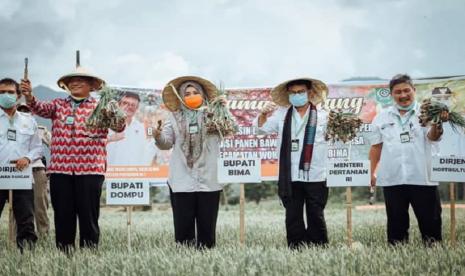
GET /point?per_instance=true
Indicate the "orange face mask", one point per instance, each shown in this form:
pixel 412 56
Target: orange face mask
pixel 193 101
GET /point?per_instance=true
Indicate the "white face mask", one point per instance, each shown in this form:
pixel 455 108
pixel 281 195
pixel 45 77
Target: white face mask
pixel 299 99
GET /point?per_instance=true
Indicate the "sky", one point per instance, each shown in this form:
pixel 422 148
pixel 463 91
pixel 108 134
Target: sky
pixel 239 43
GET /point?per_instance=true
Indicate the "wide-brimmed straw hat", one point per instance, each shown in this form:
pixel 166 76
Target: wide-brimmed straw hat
pixel 97 82
pixel 280 95
pixel 171 97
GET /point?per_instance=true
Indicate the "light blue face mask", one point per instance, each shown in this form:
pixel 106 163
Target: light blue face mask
pixel 8 100
pixel 406 108
pixel 299 99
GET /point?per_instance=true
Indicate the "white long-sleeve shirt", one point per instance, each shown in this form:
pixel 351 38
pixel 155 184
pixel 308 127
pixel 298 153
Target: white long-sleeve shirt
pixel 275 124
pixel 27 142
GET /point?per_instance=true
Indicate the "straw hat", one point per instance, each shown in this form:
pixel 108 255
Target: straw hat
pixel 97 83
pixel 171 98
pixel 280 95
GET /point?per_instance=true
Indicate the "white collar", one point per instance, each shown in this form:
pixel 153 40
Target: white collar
pixel 294 111
pixel 3 113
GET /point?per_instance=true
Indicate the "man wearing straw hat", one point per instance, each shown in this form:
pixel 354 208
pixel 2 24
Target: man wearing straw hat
pixel 78 157
pixel 20 144
pixel 302 149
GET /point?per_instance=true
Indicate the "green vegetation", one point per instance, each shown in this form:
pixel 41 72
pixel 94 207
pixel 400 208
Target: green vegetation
pixel 265 253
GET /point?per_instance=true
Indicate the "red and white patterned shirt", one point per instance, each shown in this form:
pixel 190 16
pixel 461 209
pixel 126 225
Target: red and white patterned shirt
pixel 75 149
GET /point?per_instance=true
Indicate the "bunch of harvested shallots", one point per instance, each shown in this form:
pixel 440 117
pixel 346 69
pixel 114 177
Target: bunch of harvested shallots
pixel 431 113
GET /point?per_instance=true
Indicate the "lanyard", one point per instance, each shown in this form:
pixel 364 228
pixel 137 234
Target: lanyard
pixel 76 105
pixel 11 120
pixel 404 122
pixel 302 126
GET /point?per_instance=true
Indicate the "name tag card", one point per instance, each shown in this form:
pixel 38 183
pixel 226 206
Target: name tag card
pixel 405 137
pixel 193 128
pixel 295 145
pixel 69 120
pixel 11 135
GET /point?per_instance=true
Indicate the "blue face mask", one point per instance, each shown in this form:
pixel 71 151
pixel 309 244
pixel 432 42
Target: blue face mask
pixel 299 99
pixel 8 100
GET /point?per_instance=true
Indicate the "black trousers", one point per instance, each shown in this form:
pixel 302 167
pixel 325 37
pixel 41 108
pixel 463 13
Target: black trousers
pixel 426 205
pixel 314 196
pixel 23 210
pixel 195 210
pixel 76 198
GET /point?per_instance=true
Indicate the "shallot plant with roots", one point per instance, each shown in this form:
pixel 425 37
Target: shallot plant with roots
pixel 219 119
pixel 430 113
pixel 342 126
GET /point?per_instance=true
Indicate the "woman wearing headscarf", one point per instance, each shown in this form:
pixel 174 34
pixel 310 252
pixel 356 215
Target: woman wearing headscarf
pixel 195 191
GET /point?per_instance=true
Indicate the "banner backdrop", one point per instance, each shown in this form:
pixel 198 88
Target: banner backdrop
pixel 133 156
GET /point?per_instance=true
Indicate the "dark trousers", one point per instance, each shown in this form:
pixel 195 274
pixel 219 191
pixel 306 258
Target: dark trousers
pixel 426 205
pixel 195 210
pixel 314 196
pixel 76 197
pixel 23 210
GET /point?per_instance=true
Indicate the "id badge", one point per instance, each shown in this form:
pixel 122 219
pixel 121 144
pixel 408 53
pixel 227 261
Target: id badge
pixel 193 128
pixel 11 135
pixel 150 131
pixel 405 137
pixel 69 120
pixel 295 145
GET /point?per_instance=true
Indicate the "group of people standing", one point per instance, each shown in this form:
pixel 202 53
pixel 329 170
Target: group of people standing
pixel 400 148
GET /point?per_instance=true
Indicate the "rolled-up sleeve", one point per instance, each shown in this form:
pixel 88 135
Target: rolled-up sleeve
pixel 270 126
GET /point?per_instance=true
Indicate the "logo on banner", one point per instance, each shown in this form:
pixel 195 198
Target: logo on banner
pixel 383 96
